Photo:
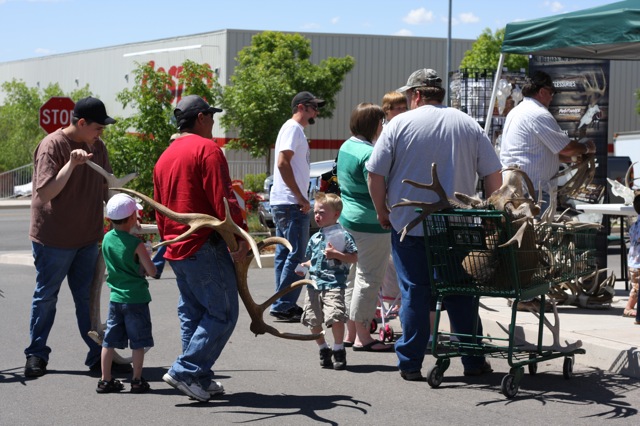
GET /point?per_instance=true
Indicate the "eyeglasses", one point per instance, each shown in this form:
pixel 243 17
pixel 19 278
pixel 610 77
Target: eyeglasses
pixel 312 106
pixel 551 90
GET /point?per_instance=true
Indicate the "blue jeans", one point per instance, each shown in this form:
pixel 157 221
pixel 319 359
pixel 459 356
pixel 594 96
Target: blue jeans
pixel 159 261
pixel 128 325
pixel 293 225
pixel 52 266
pixel 409 258
pixel 207 309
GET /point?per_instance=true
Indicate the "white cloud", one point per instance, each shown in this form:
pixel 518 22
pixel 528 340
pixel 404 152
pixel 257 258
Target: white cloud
pixel 335 20
pixel 403 32
pixel 43 51
pixel 311 26
pixel 555 6
pixel 468 18
pixel 418 16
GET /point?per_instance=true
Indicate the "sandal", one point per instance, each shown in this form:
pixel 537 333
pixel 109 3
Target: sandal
pixel 630 313
pixel 113 385
pixel 140 385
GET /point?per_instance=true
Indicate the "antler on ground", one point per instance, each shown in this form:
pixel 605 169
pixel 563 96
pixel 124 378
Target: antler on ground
pixel 228 230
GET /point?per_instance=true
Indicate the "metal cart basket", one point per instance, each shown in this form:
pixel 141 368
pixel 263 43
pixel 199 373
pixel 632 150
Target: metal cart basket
pixel 466 257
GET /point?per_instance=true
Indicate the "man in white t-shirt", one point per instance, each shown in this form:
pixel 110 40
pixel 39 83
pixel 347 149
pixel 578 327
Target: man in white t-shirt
pixel 289 203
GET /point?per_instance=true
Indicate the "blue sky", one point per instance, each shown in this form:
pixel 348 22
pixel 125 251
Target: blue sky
pixel 33 28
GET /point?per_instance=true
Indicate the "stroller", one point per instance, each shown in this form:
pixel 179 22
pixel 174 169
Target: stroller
pixel 388 304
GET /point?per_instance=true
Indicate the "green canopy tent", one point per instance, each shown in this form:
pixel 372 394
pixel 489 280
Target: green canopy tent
pixel 611 31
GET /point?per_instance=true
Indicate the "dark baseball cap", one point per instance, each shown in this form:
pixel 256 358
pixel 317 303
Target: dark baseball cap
pixel 306 98
pixel 190 106
pixel 92 109
pixel 425 77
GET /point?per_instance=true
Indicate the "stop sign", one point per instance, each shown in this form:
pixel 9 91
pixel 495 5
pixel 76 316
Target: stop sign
pixel 56 113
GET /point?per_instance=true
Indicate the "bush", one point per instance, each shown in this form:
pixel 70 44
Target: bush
pixel 254 183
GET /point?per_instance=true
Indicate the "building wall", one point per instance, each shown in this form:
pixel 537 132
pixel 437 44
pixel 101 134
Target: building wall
pixel 383 63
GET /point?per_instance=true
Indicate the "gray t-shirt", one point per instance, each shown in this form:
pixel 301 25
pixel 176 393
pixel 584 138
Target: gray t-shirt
pixel 414 140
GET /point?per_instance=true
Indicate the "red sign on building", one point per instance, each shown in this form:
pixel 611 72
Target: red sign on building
pixel 56 113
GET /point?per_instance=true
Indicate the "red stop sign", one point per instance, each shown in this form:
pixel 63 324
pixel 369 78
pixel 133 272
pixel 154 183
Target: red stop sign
pixel 56 113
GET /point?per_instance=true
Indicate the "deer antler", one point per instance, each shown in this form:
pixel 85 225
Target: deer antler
pixel 592 85
pixel 627 177
pixel 112 181
pixel 427 208
pixel 228 230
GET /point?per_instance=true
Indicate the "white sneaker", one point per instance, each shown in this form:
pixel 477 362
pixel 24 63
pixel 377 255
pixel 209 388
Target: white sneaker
pixel 215 388
pixel 193 390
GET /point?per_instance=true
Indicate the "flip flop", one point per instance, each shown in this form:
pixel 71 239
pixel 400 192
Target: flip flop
pixel 347 344
pixel 631 313
pixel 370 347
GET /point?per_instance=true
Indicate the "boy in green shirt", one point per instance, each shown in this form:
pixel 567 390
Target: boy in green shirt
pixel 129 320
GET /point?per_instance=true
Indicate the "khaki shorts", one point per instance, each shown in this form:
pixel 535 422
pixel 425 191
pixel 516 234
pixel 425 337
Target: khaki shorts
pixel 324 307
pixel 634 279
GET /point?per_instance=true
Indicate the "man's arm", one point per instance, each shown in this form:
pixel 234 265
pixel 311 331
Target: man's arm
pixel 575 148
pixel 286 171
pixel 56 185
pixel 378 191
pixel 492 182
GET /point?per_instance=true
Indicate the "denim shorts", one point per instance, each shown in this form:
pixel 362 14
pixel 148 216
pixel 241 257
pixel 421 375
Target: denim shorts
pixel 128 323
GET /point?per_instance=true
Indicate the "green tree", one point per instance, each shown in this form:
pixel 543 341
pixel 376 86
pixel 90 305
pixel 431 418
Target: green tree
pixel 269 73
pixel 19 120
pixel 136 142
pixel 485 54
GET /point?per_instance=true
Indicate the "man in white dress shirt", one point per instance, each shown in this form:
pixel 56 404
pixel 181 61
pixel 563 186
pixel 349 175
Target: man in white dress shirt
pixel 533 140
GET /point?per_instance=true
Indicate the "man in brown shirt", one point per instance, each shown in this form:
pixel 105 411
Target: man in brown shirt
pixel 66 226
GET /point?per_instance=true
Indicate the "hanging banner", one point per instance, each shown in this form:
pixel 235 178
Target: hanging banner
pixel 581 108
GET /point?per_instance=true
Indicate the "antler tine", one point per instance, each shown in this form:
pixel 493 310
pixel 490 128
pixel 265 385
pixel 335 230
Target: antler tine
pixel 627 176
pixel 226 228
pixel 427 208
pixel 256 311
pixel 112 181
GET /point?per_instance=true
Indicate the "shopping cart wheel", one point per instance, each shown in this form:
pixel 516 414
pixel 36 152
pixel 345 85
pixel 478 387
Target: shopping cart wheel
pixel 373 326
pixel 533 367
pixel 386 334
pixel 567 367
pixel 509 386
pixel 435 375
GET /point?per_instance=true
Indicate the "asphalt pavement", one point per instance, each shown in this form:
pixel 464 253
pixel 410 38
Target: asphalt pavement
pixel 277 381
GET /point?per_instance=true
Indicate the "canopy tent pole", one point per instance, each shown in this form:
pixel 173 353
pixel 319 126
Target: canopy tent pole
pixel 494 91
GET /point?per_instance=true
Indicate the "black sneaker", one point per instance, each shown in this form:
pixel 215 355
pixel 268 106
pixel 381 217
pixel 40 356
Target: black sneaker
pixel 479 371
pixel 35 367
pixel 412 376
pixel 339 359
pixel 325 358
pixel 96 368
pixel 290 315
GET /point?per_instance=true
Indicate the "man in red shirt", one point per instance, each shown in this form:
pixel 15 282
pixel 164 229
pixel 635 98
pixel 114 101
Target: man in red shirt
pixel 192 176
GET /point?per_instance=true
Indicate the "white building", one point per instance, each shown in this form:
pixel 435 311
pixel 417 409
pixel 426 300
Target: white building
pixel 383 63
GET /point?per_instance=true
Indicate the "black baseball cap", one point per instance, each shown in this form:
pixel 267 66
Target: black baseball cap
pixel 306 98
pixel 92 109
pixel 189 107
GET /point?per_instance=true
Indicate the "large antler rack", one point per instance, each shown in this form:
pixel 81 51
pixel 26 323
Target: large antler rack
pixel 228 230
pixel 427 208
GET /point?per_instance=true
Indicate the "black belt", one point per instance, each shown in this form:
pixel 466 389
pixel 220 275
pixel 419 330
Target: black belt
pixel 215 238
